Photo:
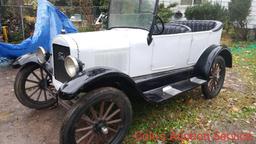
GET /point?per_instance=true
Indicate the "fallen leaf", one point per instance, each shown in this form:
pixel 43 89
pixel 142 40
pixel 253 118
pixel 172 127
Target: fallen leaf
pixel 235 109
pixel 189 101
pixel 247 121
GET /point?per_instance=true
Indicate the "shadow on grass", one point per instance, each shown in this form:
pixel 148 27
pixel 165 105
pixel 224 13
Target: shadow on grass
pixel 162 118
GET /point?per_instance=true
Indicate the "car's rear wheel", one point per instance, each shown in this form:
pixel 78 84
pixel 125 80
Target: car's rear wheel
pixel 103 116
pixel 216 78
pixel 33 87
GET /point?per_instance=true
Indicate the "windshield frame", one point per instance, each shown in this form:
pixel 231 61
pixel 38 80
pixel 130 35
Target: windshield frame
pixel 153 20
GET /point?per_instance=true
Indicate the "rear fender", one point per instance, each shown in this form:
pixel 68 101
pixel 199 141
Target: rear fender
pixel 98 77
pixel 206 60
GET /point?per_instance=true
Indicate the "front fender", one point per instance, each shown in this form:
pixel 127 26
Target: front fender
pixel 206 60
pixel 31 58
pixel 95 78
pixel 23 60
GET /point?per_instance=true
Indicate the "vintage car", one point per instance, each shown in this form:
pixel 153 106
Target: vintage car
pixel 96 74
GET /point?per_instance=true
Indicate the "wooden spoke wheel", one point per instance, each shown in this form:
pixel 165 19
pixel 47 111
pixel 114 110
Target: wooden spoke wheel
pixel 102 117
pixel 216 78
pixel 33 87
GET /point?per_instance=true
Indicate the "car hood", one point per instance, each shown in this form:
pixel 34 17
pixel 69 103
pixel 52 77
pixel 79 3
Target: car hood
pixel 108 40
pixel 102 48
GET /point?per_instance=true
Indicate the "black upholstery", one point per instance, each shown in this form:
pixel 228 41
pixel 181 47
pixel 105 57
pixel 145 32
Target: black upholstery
pixel 189 26
pixel 171 28
pixel 198 25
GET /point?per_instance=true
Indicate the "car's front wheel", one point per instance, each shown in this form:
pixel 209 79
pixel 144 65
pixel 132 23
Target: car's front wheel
pixel 103 116
pixel 33 87
pixel 216 78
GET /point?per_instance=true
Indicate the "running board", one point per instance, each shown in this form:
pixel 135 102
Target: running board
pixel 197 80
pixel 168 91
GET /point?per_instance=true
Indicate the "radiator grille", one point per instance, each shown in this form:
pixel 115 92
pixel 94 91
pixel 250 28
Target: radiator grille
pixel 59 55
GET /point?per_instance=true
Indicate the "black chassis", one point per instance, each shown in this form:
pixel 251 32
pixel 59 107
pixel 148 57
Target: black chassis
pixel 149 86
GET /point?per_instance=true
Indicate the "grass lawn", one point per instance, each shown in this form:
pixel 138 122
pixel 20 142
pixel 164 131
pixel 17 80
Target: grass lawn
pixel 233 111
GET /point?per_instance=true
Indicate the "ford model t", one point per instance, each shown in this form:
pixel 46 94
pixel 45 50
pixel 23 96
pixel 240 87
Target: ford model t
pixel 96 74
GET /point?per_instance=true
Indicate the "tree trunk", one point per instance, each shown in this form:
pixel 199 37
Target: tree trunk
pixel 87 6
pixel 20 2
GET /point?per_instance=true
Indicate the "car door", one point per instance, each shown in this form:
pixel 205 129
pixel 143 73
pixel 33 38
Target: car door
pixel 171 51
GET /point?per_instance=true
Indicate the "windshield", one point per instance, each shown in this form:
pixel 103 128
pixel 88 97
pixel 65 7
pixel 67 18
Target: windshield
pixel 131 13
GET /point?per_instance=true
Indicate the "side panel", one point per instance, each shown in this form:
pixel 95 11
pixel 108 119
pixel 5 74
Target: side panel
pixel 200 42
pixel 140 54
pixel 170 51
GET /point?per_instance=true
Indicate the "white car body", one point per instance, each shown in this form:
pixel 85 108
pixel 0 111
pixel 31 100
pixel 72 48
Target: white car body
pixel 127 50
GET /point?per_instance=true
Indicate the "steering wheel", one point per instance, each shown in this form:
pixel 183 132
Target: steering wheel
pixel 158 26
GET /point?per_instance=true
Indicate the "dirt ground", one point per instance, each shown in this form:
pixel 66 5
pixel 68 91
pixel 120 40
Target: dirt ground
pixel 21 125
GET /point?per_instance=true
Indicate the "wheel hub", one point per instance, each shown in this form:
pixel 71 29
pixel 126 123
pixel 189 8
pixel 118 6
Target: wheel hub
pixel 218 76
pixel 104 130
pixel 215 77
pixel 43 84
pixel 100 127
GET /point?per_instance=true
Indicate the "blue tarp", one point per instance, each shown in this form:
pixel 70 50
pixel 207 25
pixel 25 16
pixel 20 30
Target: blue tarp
pixel 49 22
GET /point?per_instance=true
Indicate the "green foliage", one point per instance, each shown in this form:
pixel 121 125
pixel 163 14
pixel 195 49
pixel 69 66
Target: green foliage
pixel 239 10
pixel 165 12
pixel 11 18
pixel 207 11
pixel 31 2
pixel 86 29
pixel 102 6
pixel 238 13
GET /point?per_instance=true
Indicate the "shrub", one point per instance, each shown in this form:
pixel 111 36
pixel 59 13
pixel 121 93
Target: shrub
pixel 207 11
pixel 238 12
pixel 88 28
pixel 165 12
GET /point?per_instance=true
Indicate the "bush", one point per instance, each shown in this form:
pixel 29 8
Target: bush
pixel 238 12
pixel 207 11
pixel 89 28
pixel 165 12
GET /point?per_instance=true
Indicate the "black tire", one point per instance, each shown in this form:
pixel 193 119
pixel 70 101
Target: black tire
pixel 216 79
pixel 42 100
pixel 69 133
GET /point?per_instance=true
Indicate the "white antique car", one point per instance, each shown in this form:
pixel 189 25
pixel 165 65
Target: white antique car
pixel 96 74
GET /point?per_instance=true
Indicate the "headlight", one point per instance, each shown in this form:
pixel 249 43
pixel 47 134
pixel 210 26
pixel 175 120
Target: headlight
pixel 71 66
pixel 41 55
